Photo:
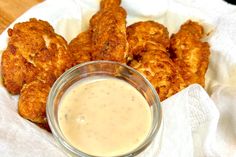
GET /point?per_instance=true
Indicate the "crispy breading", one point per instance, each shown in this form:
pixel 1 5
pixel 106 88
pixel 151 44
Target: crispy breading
pixel 109 3
pixel 16 71
pixel 12 70
pixel 44 126
pixel 159 69
pixel 33 49
pixel 35 57
pixel 149 31
pixel 108 28
pixel 81 47
pixel 37 42
pixel 32 101
pixel 106 37
pixel 148 44
pixel 190 53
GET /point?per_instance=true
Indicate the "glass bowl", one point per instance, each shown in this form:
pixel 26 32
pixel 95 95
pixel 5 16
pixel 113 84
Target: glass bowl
pixel 102 68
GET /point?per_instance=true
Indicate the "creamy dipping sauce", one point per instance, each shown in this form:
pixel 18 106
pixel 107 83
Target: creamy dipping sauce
pixel 104 116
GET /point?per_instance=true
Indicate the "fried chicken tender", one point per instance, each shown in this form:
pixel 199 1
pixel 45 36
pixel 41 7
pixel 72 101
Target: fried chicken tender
pixel 106 37
pixel 13 70
pixel 34 58
pixel 32 101
pixel 108 28
pixel 106 4
pixel 37 42
pixel 190 53
pixel 81 47
pixel 148 44
pixel 140 33
pixel 33 47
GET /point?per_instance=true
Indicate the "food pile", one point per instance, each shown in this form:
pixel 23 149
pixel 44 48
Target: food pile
pixel 36 56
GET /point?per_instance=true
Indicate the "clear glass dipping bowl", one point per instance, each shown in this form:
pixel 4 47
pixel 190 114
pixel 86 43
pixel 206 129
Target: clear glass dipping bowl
pixel 102 68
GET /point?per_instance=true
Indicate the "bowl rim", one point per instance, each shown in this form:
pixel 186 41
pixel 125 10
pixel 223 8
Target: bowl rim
pixel 71 149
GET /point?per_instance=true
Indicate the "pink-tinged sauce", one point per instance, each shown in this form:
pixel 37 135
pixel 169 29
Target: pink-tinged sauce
pixel 104 116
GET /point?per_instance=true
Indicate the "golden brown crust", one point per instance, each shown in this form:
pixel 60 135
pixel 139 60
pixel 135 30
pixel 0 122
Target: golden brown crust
pixel 35 57
pixel 108 28
pixel 190 53
pixel 16 71
pixel 12 70
pixel 138 34
pixel 109 3
pixel 148 44
pixel 81 47
pixel 37 42
pixel 33 50
pixel 160 70
pixel 32 101
pixel 106 37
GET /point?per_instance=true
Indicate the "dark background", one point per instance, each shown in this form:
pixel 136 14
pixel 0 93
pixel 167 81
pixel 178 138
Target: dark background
pixel 231 2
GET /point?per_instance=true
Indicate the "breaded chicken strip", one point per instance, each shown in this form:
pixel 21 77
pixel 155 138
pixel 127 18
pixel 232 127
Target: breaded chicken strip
pixel 81 47
pixel 34 58
pixel 106 37
pixel 14 70
pixel 32 101
pixel 108 28
pixel 106 4
pixel 140 33
pixel 148 44
pixel 33 47
pixel 37 42
pixel 190 53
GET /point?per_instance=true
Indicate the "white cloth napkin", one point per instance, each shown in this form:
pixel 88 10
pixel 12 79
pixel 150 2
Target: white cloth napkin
pixel 192 126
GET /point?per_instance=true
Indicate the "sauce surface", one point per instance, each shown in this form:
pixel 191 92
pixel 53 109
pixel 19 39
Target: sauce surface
pixel 104 116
